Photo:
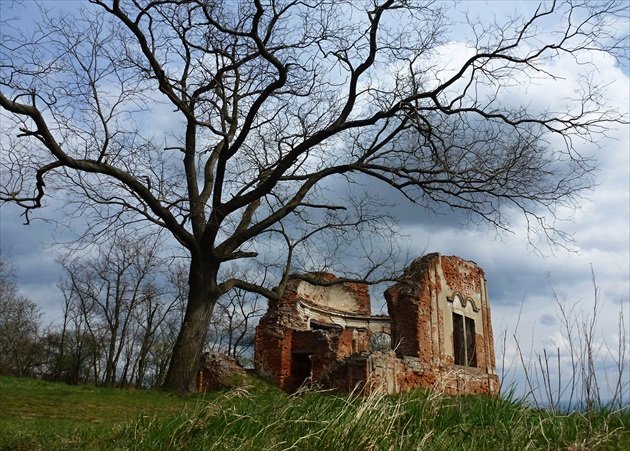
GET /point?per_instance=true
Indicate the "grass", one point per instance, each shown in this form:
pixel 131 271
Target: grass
pixel 43 415
pixel 40 415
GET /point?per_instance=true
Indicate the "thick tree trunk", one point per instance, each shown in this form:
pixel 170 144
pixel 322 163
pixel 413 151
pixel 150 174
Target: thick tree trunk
pixel 202 298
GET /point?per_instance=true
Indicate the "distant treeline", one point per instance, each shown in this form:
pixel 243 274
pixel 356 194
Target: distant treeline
pixel 122 310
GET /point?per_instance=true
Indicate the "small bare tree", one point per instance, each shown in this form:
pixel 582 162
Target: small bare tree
pixel 582 372
pixel 272 115
pixel 71 348
pixel 20 321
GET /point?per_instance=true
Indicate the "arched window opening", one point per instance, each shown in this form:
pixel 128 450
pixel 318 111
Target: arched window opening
pixel 464 348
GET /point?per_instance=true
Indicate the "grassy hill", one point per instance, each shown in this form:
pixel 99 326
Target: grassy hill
pixel 258 416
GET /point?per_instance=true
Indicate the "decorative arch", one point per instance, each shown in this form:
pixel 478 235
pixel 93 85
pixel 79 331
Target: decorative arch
pixel 464 302
pixel 464 311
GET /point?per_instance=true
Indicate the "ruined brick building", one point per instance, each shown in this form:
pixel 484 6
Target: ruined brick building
pixel 439 323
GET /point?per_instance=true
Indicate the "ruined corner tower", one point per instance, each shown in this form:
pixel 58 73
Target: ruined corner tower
pixel 439 324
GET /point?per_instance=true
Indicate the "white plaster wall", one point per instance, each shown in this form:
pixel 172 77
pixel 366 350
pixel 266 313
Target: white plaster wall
pixel 334 296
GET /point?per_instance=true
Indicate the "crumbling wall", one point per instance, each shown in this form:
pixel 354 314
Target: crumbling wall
pixel 381 371
pixel 422 307
pixel 343 297
pixel 272 353
pixel 439 320
pixel 299 339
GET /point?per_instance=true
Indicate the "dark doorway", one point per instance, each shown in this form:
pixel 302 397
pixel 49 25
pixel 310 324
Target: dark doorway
pixel 301 367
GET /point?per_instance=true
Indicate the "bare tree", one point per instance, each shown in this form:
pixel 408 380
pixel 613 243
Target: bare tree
pixel 69 348
pixel 117 298
pixel 277 111
pixel 232 328
pixel 20 322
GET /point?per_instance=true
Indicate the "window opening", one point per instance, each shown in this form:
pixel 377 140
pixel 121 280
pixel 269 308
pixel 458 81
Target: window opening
pixel 471 351
pixel 465 353
pixel 381 341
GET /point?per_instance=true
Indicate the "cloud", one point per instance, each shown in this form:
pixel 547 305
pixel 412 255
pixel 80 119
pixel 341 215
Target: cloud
pixel 548 320
pixel 37 270
pixel 522 283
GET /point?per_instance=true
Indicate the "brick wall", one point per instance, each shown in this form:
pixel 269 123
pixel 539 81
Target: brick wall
pixel 300 338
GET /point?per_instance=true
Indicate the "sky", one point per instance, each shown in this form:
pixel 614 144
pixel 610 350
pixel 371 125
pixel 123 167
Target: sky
pixel 522 280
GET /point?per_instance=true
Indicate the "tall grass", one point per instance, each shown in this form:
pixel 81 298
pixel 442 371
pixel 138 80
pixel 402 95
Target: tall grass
pixel 580 387
pixel 40 415
pixel 583 371
pixel 315 420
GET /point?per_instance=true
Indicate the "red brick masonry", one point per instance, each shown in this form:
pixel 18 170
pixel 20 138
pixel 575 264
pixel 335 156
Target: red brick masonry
pixel 321 333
